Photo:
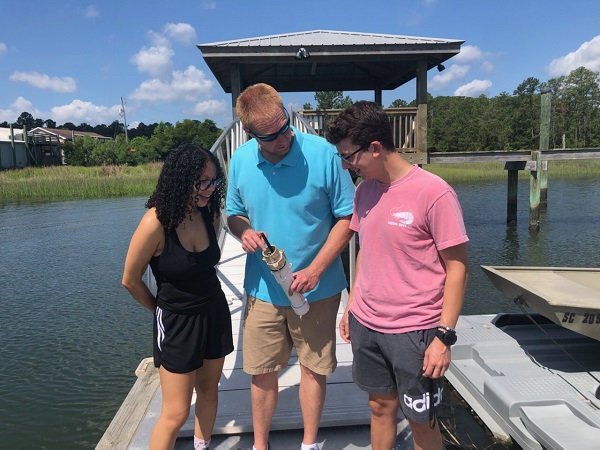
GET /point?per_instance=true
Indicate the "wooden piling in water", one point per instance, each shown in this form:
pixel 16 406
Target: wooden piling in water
pixel 544 145
pixel 513 168
pixel 534 190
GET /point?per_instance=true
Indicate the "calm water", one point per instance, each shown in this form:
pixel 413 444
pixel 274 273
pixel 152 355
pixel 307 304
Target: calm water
pixel 71 337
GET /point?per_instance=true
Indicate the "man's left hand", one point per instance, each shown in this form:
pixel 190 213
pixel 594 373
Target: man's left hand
pixel 437 359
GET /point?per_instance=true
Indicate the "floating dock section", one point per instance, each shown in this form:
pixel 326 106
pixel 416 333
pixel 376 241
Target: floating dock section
pixel 529 380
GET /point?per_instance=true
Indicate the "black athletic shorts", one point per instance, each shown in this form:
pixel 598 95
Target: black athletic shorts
pixel 183 341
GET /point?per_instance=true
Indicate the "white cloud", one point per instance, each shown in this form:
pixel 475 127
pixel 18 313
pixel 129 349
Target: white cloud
pixel 487 67
pixel 187 86
pixel 43 81
pixel 474 89
pixel 79 111
pixel 468 54
pixel 452 73
pixel 158 39
pixel 3 48
pixel 91 12
pixel 183 33
pixel 155 60
pixel 16 108
pixel 209 108
pixel 587 55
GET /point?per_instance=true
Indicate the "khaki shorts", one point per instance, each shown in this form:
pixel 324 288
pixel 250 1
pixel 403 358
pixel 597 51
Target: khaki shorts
pixel 270 332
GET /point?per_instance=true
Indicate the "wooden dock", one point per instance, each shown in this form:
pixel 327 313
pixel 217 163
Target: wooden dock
pixel 346 415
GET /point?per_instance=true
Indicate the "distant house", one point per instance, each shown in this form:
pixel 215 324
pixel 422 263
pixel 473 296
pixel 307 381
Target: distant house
pixel 13 148
pixel 46 142
pixel 66 135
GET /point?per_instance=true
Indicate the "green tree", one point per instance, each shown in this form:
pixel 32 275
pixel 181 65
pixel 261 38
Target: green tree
pixel 104 154
pixel 332 100
pixel 398 103
pixel 162 139
pixel 527 114
pixel 68 126
pixel 582 96
pixel 142 150
pixel 78 152
pixel 25 120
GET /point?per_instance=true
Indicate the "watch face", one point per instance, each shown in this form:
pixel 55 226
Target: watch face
pixel 449 338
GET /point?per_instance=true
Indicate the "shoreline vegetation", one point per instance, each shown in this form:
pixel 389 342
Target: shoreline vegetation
pixel 62 183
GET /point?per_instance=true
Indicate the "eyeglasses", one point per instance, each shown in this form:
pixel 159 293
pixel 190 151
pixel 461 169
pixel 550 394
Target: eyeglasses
pixel 347 158
pixel 271 137
pixel 203 185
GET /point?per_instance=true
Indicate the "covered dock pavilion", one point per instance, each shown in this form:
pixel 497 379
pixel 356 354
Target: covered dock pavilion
pixel 325 60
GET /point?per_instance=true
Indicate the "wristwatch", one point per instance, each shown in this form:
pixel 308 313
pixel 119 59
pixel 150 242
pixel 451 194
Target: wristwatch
pixel 446 334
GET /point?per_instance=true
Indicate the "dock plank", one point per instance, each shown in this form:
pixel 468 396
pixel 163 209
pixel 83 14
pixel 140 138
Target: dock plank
pixel 125 424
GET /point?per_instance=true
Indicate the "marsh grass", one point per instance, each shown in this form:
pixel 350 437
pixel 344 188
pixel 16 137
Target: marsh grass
pixel 77 183
pixel 489 171
pixel 80 183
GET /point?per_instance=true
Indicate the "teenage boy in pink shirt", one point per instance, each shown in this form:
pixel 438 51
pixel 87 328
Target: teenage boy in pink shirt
pixel 410 279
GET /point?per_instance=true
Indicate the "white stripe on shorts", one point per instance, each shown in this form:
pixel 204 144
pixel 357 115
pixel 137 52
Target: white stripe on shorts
pixel 161 328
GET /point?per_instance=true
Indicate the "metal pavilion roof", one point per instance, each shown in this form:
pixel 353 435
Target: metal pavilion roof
pixel 328 37
pixel 336 60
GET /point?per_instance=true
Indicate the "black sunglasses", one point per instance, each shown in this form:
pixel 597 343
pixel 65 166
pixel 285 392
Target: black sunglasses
pixel 347 158
pixel 271 137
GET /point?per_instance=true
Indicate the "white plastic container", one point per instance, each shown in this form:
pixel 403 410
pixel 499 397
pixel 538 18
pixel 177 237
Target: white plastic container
pixel 282 271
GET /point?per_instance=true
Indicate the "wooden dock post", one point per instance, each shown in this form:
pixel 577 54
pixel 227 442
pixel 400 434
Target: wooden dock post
pixel 535 166
pixel 544 145
pixel 513 168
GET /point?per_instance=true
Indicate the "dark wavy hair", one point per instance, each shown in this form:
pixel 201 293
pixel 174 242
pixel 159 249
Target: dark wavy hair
pixel 363 122
pixel 174 191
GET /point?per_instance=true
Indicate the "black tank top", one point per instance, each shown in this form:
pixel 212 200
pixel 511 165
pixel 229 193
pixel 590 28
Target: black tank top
pixel 187 281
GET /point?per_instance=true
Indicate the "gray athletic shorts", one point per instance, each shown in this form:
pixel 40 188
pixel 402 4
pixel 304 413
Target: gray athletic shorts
pixel 385 363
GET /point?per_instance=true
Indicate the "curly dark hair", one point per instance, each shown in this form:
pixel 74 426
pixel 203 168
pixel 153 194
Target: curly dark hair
pixel 181 171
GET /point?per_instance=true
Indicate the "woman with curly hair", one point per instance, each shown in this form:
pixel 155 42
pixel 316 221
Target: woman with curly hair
pixel 192 324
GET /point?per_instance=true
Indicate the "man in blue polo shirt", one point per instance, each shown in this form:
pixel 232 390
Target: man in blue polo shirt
pixel 291 187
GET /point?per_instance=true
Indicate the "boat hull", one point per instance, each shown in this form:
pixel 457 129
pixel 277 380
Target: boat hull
pixel 570 297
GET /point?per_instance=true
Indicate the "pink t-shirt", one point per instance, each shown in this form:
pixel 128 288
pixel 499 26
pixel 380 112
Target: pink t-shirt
pixel 402 226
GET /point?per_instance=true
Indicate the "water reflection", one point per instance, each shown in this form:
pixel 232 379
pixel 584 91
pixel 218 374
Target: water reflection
pixel 511 246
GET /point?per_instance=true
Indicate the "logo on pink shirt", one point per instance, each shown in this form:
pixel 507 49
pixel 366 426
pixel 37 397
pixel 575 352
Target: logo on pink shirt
pixel 401 218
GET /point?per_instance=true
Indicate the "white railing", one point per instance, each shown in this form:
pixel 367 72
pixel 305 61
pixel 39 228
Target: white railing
pixel 402 120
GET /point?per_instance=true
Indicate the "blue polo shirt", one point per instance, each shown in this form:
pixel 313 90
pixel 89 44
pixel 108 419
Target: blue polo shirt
pixel 296 202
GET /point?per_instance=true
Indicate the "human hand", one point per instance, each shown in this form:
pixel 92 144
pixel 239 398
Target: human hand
pixel 344 327
pixel 437 359
pixel 252 240
pixel 304 281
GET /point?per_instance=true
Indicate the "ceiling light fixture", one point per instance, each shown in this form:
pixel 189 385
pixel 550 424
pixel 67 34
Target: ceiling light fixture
pixel 302 53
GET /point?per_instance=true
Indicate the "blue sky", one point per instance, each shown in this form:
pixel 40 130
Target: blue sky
pixel 72 60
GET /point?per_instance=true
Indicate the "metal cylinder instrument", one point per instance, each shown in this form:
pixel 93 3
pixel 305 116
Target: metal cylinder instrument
pixel 282 271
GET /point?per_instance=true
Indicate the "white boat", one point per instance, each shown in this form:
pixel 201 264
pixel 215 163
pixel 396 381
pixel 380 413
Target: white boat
pixel 569 297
